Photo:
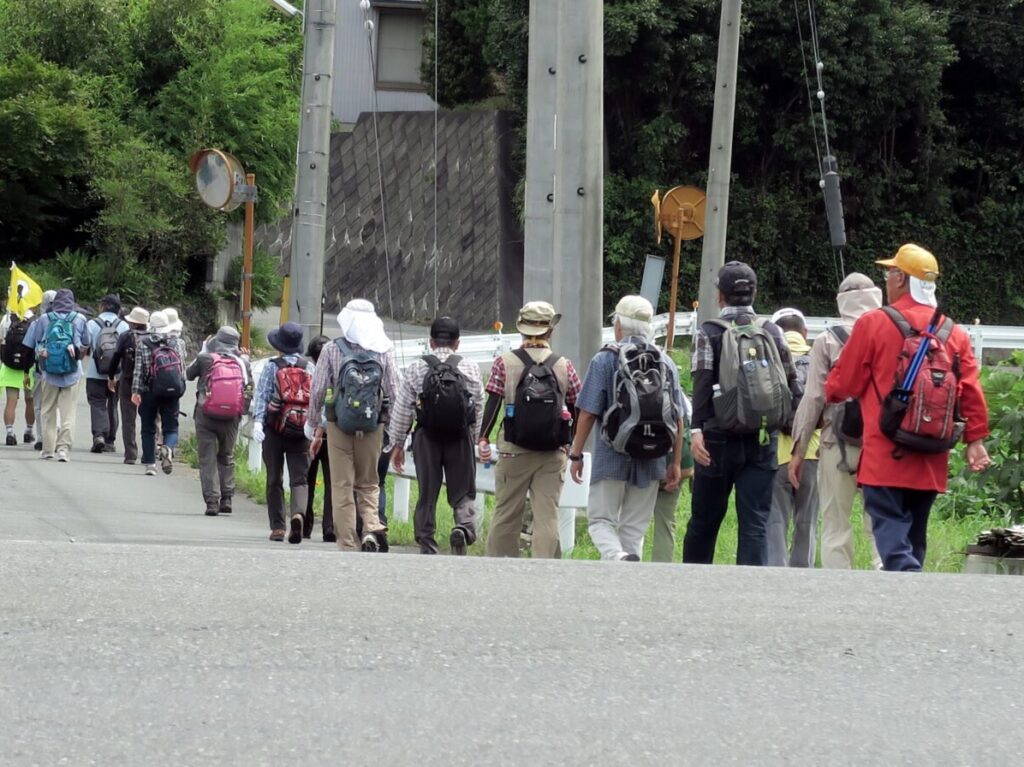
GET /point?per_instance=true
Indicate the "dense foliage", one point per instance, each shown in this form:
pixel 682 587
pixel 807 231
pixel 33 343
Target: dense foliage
pixel 101 104
pixel 926 117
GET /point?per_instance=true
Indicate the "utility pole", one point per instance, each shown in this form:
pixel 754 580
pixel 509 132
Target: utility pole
pixel 578 262
pixel 720 161
pixel 309 226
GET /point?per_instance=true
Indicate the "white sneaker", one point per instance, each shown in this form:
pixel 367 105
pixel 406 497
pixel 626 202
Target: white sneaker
pixel 166 459
pixel 151 470
pixel 46 455
pixel 62 456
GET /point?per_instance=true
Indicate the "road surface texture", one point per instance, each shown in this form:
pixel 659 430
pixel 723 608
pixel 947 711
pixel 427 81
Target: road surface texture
pixel 135 631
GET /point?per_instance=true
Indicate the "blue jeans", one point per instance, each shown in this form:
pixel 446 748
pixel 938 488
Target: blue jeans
pixel 149 409
pixel 740 462
pixel 899 518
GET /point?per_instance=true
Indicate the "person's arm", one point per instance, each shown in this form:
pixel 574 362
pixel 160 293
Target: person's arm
pixel 196 369
pixel 495 389
pixel 476 391
pixel 318 391
pixel 264 390
pixel 403 408
pixel 490 417
pixel 592 402
pixel 851 376
pixel 119 350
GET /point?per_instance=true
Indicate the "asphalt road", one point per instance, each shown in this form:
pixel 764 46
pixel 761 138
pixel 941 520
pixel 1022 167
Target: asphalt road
pixel 135 631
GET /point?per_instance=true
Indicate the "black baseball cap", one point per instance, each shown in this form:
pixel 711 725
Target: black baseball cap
pixel 736 279
pixel 444 329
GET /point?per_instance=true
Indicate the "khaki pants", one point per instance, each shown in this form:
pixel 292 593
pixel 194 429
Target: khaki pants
pixel 541 474
pixel 836 491
pixel 64 399
pixel 354 470
pixel 664 546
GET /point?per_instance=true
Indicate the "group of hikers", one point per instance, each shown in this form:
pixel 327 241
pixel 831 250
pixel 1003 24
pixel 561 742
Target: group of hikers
pixel 875 403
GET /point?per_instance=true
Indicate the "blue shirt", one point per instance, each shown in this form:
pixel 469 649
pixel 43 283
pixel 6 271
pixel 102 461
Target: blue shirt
pixel 267 384
pixel 598 396
pixel 36 337
pixel 94 326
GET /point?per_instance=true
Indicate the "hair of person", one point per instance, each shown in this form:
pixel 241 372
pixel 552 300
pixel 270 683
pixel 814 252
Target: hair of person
pixel 744 298
pixel 316 345
pixel 632 327
pixel 792 322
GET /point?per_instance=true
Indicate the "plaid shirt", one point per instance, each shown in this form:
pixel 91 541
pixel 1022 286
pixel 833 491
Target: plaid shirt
pixel 144 358
pixel 496 381
pixel 267 385
pixel 327 369
pixel 403 412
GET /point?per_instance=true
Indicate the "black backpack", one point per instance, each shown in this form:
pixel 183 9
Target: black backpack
pixel 16 355
pixel 165 379
pixel 538 419
pixel 643 420
pixel 444 407
pixel 847 420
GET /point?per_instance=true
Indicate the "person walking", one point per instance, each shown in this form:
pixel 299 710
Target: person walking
pixel 105 329
pixel 795 506
pixel 839 452
pixel 280 408
pixel 17 374
pixel 358 371
pixel 626 383
pixel 157 386
pixel 223 392
pixel 743 389
pixel 61 340
pixel 121 377
pixel 910 422
pixel 531 446
pixel 319 463
pixel 663 545
pixel 444 393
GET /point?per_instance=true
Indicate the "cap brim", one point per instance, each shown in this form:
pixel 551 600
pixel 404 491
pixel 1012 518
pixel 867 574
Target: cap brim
pixel 890 262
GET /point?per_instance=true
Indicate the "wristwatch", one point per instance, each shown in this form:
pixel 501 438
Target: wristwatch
pixel 575 458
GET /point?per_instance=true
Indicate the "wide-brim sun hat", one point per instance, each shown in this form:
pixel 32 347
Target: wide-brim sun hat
pixel 137 316
pixel 174 320
pixel 537 318
pixel 360 325
pixel 287 339
pixel 158 324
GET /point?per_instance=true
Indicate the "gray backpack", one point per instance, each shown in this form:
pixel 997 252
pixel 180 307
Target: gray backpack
pixel 359 391
pixel 643 419
pixel 753 394
pixel 104 345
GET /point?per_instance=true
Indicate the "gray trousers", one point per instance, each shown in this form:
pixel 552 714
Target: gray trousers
pixel 799 507
pixel 452 463
pixel 618 514
pixel 215 442
pixel 102 410
pixel 129 419
pixel 277 450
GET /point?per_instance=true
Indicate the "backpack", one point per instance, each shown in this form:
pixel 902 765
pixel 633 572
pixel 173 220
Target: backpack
pixel 104 346
pixel 60 334
pixel 444 407
pixel 643 421
pixel 802 365
pixel 224 384
pixel 290 404
pixel 16 355
pixel 359 395
pixel 753 392
pixel 847 420
pixel 538 419
pixel 166 381
pixel 924 418
pixel 128 355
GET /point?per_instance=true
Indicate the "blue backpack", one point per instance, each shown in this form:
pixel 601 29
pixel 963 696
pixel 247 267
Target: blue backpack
pixel 59 335
pixel 359 399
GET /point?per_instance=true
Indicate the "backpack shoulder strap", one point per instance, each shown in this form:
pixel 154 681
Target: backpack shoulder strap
pixel 281 363
pixel 840 333
pixel 944 330
pixel 523 356
pixel 431 360
pixel 905 328
pixel 453 360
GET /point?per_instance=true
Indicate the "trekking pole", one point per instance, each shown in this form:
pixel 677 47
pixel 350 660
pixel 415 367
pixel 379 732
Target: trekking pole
pixel 915 364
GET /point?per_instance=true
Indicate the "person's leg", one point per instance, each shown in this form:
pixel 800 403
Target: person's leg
pixel 429 476
pixel 273 460
pixel 604 510
pixel 227 438
pixel 836 489
pixel 311 478
pixel 383 461
pixel 327 524
pixel 366 453
pixel 28 389
pixel 777 543
pixel 169 422
pixel 10 409
pixel 207 446
pixel 919 504
pixel 869 533
pixel 547 475
pixel 112 420
pixel 512 476
pixel 129 416
pixel 708 504
pixel 637 508
pixel 67 404
pixel 297 455
pixel 664 544
pixel 341 449
pixel 48 416
pixel 805 519
pixel 754 502
pixel 892 523
pixel 147 419
pixel 96 396
pixel 459 463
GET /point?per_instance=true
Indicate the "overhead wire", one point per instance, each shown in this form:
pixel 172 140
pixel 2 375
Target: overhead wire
pixel 437 28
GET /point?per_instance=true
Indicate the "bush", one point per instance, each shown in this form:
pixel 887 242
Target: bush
pixel 266 282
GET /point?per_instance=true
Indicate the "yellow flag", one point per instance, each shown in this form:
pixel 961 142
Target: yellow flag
pixel 24 292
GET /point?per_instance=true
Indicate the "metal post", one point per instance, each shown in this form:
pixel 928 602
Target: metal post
pixel 247 247
pixel 720 161
pixel 579 173
pixel 677 242
pixel 538 261
pixel 309 227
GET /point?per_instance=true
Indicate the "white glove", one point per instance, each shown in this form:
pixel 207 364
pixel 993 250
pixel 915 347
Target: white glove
pixel 309 431
pixel 257 433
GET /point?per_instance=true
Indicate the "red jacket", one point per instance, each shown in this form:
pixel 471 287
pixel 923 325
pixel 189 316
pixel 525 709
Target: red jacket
pixel 868 361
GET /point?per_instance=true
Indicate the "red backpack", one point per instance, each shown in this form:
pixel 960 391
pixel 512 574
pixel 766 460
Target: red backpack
pixel 225 393
pixel 290 404
pixel 925 418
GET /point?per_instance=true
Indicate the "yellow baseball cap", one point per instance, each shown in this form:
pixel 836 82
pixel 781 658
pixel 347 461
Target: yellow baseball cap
pixel 914 260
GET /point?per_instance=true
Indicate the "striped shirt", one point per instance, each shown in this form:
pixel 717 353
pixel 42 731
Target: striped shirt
pixel 403 412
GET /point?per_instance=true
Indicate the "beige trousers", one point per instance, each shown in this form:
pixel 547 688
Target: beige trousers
pixel 542 475
pixel 836 491
pixel 354 471
pixel 64 399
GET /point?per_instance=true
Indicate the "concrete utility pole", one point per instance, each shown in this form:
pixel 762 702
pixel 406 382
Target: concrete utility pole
pixel 720 162
pixel 309 227
pixel 538 253
pixel 578 262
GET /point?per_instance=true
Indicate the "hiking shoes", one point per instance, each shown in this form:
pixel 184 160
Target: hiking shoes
pixel 29 438
pixel 62 456
pixel 97 446
pixel 295 531
pixel 382 542
pixel 333 538
pixel 11 440
pixel 212 511
pixel 458 542
pixel 225 508
pixel 277 535
pixel 370 543
pixel 151 470
pixel 166 459
pixel 45 455
pixel 629 558
pixel 38 445
pixel 108 447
